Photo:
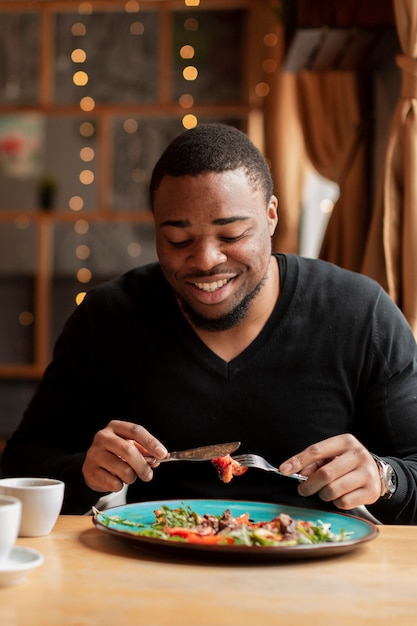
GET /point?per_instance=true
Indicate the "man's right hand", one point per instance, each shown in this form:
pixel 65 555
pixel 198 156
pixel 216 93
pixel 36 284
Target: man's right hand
pixel 116 456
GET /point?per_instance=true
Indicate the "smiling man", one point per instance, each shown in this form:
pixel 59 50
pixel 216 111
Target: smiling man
pixel 308 365
pixel 216 254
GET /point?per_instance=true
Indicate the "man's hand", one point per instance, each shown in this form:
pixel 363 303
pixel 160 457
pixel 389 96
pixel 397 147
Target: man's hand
pixel 339 469
pixel 116 456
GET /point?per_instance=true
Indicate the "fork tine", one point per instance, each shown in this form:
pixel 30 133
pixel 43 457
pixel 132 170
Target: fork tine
pixel 254 460
pixel 244 457
pixel 249 458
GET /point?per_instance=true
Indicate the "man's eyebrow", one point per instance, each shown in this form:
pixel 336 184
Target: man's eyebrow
pixel 176 223
pixel 221 221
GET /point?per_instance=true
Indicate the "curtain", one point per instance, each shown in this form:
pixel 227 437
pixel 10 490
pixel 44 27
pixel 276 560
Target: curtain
pixel 334 119
pixel 284 149
pixel 391 250
pixel 320 120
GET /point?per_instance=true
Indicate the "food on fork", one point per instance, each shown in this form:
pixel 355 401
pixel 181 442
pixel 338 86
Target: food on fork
pixel 227 467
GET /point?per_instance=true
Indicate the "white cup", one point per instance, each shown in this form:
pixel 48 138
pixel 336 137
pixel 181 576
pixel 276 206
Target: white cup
pixel 41 500
pixel 10 514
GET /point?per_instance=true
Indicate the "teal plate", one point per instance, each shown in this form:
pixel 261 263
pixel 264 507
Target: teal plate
pixel 143 513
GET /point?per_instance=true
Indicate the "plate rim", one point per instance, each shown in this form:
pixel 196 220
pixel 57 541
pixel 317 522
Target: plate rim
pixel 275 552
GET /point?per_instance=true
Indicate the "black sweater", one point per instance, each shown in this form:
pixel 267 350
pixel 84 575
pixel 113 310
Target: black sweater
pixel 335 356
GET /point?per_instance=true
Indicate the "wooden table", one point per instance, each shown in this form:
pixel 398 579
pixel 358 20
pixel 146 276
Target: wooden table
pixel 90 577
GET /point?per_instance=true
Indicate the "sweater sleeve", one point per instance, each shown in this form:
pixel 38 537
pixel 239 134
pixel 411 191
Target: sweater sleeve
pixel 60 421
pixel 388 408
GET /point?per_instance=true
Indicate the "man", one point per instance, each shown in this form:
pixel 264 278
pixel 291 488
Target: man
pixel 307 364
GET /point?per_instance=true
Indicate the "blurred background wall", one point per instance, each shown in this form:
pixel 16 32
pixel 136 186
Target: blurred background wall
pixel 91 93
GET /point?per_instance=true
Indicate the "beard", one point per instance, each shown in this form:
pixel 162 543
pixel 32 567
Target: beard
pixel 227 321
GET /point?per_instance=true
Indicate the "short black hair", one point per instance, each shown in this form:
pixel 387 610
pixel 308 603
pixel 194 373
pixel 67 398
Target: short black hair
pixel 212 147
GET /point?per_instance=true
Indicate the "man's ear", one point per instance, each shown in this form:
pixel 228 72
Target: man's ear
pixel 272 213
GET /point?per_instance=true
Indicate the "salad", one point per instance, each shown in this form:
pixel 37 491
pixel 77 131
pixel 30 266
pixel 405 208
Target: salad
pixel 184 524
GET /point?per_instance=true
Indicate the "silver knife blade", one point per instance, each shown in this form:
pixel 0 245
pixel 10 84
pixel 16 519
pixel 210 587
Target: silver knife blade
pixel 204 453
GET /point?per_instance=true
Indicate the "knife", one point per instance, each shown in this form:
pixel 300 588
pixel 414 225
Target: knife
pixel 204 453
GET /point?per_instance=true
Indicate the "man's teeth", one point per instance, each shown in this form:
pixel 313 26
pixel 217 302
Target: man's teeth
pixel 209 287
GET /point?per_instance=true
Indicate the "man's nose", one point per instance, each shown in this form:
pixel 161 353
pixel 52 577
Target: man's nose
pixel 206 255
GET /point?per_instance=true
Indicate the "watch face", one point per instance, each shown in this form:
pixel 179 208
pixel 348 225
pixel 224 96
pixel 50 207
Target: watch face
pixel 388 477
pixel 391 479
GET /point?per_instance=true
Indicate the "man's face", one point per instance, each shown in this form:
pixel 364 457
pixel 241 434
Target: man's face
pixel 213 237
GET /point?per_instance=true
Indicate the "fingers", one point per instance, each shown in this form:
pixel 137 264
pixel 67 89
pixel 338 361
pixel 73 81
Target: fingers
pixel 339 469
pixel 105 473
pixel 116 456
pixel 143 440
pixel 320 453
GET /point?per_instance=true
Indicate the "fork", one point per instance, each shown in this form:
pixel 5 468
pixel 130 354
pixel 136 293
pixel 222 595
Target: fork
pixel 254 460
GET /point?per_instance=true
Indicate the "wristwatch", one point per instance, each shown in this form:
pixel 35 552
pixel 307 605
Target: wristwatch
pixel 388 478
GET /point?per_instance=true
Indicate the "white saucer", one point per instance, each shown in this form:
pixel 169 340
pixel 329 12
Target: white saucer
pixel 21 561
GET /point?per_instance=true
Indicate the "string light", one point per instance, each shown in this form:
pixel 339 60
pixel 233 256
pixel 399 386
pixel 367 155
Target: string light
pixel 80 78
pixel 87 104
pixel 132 6
pixel 86 130
pixel 84 275
pixel 186 101
pixel 81 227
pixel 85 8
pixel 25 318
pixel 80 297
pixel 82 252
pixel 87 154
pixel 86 177
pixel 76 203
pixel 190 72
pixel 191 24
pixel 78 29
pixel 130 126
pixel 262 89
pixel 187 52
pixel 137 28
pixel 189 121
pixel 78 56
pixel 268 66
pixel 270 40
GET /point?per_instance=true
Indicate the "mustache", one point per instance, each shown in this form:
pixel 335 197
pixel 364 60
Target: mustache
pixel 212 272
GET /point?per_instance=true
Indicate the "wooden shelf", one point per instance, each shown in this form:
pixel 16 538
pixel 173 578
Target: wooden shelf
pixel 45 224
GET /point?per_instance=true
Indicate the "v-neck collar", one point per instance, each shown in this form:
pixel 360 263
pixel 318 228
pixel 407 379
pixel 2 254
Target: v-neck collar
pixel 228 369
